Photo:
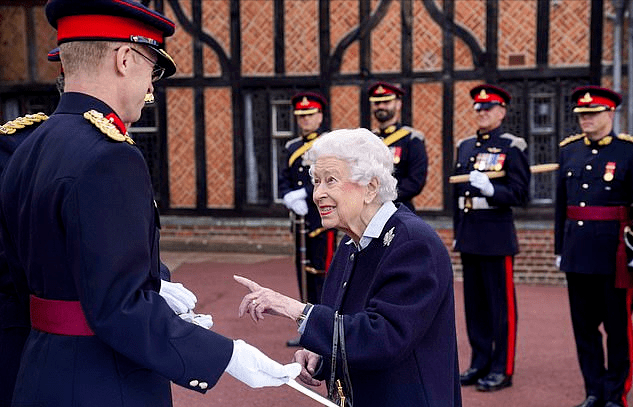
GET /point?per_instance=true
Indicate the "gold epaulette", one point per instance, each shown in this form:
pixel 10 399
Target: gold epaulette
pixel 12 126
pixel 106 126
pixel 625 137
pixel 571 139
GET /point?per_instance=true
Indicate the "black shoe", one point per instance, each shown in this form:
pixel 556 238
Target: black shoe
pixel 293 342
pixel 471 375
pixel 612 404
pixel 593 401
pixel 494 382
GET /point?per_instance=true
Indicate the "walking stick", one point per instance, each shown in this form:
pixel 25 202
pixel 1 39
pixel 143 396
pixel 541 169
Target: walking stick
pixel 534 169
pixel 301 221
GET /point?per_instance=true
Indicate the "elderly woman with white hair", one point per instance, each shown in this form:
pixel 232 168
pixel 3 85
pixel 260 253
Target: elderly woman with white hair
pixel 386 321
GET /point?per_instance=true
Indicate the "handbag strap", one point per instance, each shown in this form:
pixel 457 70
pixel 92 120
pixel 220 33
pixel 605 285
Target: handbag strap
pixel 331 387
pixel 346 378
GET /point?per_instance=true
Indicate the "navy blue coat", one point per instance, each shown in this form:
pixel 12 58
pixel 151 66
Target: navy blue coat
pixel 491 232
pixel 14 315
pixel 410 162
pixel 399 315
pixel 80 224
pixel 590 247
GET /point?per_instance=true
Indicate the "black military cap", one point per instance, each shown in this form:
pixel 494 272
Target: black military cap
pixel 486 96
pixel 592 99
pixel 305 103
pixel 384 91
pixel 112 20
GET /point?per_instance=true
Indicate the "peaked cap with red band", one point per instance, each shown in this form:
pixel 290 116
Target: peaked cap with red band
pixel 593 99
pixel 53 55
pixel 486 96
pixel 384 91
pixel 305 103
pixel 112 20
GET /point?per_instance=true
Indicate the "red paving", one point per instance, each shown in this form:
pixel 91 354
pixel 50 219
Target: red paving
pixel 546 373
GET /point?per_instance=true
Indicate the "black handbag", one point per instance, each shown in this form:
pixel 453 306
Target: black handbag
pixel 339 390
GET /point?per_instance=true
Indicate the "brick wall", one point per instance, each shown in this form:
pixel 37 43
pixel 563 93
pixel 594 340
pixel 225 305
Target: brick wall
pixel 535 263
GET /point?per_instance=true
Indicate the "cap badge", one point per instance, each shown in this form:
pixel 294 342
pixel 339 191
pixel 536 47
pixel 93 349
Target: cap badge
pixel 483 94
pixel 379 90
pixel 586 99
pixel 106 126
pixel 386 241
pixel 304 102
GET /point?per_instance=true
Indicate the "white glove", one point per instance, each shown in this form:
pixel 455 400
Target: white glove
pixel 250 366
pixel 558 262
pixel 177 296
pixel 300 207
pixel 204 320
pixel 481 181
pixel 296 201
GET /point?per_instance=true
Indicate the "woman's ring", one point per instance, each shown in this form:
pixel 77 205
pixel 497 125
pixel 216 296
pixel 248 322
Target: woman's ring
pixel 254 302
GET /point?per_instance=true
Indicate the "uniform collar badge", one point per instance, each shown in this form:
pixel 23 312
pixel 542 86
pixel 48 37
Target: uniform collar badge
pixel 386 241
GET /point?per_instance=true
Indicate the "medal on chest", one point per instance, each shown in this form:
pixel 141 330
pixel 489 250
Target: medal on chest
pixel 490 161
pixel 397 154
pixel 609 171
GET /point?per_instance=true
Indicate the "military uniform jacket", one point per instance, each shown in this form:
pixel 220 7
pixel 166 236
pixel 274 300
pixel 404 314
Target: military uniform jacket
pixel 409 159
pixel 295 175
pixel 80 223
pixel 396 296
pixel 592 174
pixel 487 228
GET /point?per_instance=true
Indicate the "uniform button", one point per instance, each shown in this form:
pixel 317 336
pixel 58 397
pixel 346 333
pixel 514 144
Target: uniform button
pixel 585 186
pixel 203 385
pixel 465 210
pixel 569 173
pixel 300 183
pixel 472 159
pixel 580 223
pixel 588 167
pixel 459 165
pixel 467 193
pixel 478 144
pixel 193 383
pixel 344 284
pixel 583 204
pixel 351 256
pixel 594 151
pixel 300 169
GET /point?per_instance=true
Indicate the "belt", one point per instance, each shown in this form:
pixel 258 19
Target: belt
pixel 623 278
pixel 477 202
pixel 59 317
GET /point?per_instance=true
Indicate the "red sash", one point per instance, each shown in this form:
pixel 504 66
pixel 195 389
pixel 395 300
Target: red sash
pixel 59 317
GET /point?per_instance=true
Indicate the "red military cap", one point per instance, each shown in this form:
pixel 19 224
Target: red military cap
pixel 384 91
pixel 592 99
pixel 112 20
pixel 487 96
pixel 305 103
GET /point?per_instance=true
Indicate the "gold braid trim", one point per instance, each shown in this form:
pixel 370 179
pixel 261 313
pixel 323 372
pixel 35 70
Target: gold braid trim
pixel 12 126
pixel 625 137
pixel 106 126
pixel 571 139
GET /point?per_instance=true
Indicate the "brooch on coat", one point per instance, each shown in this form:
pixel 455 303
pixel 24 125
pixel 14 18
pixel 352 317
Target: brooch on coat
pixel 106 126
pixel 388 237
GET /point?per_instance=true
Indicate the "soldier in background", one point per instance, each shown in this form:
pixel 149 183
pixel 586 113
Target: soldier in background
pixel 295 186
pixel 486 238
pixel 593 198
pixel 407 144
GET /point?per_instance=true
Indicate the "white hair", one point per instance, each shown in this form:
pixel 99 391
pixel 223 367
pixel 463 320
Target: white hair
pixel 364 152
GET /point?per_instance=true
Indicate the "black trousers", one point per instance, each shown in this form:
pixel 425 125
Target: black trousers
pixel 594 300
pixel 11 343
pixel 319 252
pixel 491 311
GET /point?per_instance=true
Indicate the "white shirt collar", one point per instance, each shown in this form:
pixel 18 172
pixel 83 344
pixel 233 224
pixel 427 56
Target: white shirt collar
pixel 376 225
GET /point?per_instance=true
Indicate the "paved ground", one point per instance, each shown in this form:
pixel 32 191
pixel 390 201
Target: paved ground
pixel 546 375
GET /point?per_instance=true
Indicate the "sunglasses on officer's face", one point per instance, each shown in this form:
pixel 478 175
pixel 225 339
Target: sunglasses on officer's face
pixel 157 70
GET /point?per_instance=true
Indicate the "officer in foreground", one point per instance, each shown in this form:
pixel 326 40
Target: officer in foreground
pixel 485 236
pixel 593 198
pixel 406 143
pixel 295 186
pixel 79 227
